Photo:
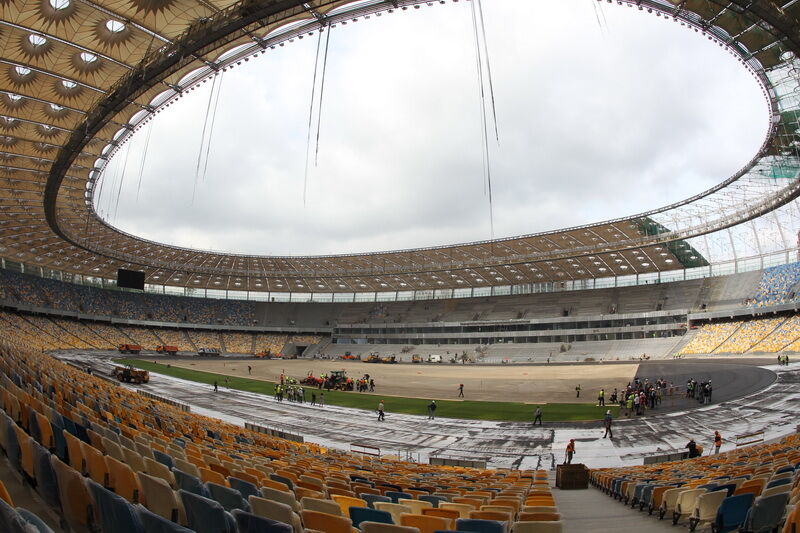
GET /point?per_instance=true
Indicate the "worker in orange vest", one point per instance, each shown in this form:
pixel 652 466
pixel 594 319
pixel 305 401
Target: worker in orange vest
pixel 570 452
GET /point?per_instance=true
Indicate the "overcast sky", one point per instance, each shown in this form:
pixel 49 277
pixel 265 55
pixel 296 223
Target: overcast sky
pixel 594 123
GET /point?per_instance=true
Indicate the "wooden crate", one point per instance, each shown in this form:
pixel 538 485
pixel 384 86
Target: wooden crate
pixel 569 477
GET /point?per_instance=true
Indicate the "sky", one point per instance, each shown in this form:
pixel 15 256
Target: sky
pixel 602 111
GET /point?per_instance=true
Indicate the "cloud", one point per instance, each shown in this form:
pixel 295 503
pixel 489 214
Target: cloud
pixel 594 123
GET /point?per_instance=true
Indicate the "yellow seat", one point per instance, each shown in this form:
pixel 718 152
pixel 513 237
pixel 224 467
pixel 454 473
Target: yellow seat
pixel 276 511
pixel 159 498
pixel 425 523
pixel 5 496
pixel 416 505
pixel 346 502
pixel 462 508
pixel 327 523
pixel 321 505
pixel 395 509
pixel 76 503
pixel 75 452
pixel 122 480
pixel 95 464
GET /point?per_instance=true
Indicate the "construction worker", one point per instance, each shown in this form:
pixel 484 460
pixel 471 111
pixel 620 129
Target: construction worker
pixel 607 424
pixel 578 391
pixel 537 416
pixel 432 410
pixel 570 452
pixel 601 398
pixel 717 442
pixel 461 390
pixel 380 411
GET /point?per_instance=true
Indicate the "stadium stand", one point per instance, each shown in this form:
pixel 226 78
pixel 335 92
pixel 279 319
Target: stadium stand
pixel 97 452
pixel 749 334
pixel 710 337
pixel 754 488
pixel 777 285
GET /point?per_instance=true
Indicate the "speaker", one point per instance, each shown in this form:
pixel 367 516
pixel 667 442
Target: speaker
pixel 130 279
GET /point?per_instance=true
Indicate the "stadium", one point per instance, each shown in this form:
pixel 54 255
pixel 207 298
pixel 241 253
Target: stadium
pixel 148 386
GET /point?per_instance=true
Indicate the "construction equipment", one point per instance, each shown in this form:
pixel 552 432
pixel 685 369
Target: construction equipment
pixel 166 348
pixel 209 352
pixel 310 379
pixel 416 358
pixel 389 360
pixel 350 357
pixel 373 358
pixel 129 348
pixel 129 374
pixel 338 380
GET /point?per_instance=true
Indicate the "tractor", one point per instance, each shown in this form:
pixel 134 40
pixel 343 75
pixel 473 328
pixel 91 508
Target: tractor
pixel 338 380
pixel 373 358
pixel 129 374
pixel 389 360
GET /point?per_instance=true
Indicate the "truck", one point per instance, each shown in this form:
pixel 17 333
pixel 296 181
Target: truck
pixel 416 358
pixel 434 358
pixel 167 348
pixel 129 374
pixel 129 348
pixel 209 352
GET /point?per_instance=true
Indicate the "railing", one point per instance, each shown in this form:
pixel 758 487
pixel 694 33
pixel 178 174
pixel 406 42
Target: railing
pixel 174 403
pixel 745 439
pixel 274 432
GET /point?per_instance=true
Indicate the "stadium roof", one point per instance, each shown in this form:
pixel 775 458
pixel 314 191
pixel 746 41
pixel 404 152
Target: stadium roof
pixel 77 77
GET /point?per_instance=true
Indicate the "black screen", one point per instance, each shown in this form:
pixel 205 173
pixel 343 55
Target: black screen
pixel 130 279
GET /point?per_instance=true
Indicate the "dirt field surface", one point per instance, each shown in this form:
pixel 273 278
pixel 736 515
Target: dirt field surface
pixel 515 383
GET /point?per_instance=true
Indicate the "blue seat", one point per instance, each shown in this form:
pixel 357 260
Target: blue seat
pixel 10 520
pixel 281 479
pixel 480 526
pixel 155 524
pixel 785 469
pixel 33 425
pixel 766 514
pixel 190 483
pixel 731 513
pixel 731 488
pixel 34 521
pixel 778 483
pixel 46 484
pixel 250 523
pixel 114 511
pixel 372 498
pixel 434 500
pixel 205 515
pixel 12 445
pixel 365 514
pixel 164 459
pixel 245 488
pixel 395 495
pixel 229 498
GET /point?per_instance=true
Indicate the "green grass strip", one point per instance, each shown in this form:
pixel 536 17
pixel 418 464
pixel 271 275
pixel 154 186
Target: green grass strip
pixel 471 410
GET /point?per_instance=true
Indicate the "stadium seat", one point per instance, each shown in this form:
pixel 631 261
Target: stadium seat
pixel 480 526
pixel 372 498
pixel 10 520
pixel 76 502
pixel 376 527
pixel 705 510
pixel 365 514
pixel 321 505
pixel 277 511
pixel 114 512
pixel 245 488
pixel 33 521
pixel 205 515
pixel 345 502
pixel 416 505
pixel 153 523
pixel 280 496
pixel 251 523
pixel 190 483
pixel 463 509
pixel 159 498
pixel 444 513
pixel 425 523
pixel 229 498
pixel 395 509
pixel 766 513
pixel 46 484
pixel 732 512
pixel 327 523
